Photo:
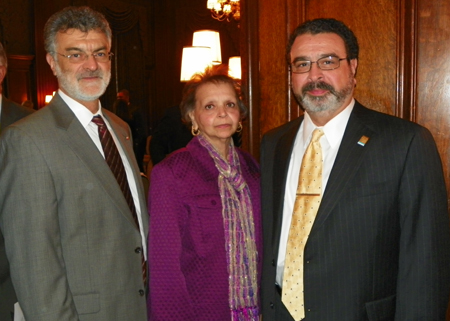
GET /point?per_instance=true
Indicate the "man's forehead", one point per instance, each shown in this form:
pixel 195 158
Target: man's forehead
pixel 320 38
pixel 77 36
pixel 324 43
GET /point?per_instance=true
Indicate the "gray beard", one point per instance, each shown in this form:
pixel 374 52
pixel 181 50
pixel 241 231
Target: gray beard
pixel 330 102
pixel 75 92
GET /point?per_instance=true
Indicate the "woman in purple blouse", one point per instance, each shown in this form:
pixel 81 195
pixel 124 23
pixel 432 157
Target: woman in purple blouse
pixel 204 204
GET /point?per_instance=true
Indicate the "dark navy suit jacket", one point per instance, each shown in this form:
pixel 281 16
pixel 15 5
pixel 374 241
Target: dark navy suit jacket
pixel 379 247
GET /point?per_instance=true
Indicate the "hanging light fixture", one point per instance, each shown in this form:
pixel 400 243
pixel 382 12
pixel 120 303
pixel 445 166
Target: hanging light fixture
pixel 194 59
pixel 209 38
pixel 224 9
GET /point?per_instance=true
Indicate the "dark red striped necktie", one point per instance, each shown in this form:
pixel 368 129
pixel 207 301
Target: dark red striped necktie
pixel 115 163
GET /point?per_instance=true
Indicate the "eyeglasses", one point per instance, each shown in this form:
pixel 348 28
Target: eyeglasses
pixel 82 56
pixel 325 63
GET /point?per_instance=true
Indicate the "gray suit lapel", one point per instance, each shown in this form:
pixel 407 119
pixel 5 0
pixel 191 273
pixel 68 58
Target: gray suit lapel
pixel 76 138
pixel 123 137
pixel 348 160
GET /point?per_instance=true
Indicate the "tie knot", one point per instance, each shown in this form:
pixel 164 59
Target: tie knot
pixel 317 133
pixel 98 120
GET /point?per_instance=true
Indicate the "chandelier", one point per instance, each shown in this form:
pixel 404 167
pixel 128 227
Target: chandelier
pixel 224 9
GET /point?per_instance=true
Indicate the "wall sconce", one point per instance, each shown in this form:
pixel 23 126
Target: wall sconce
pixel 209 38
pixel 224 9
pixel 194 59
pixel 234 67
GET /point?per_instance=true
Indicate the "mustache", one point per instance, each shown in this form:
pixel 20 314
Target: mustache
pixel 318 85
pixel 88 74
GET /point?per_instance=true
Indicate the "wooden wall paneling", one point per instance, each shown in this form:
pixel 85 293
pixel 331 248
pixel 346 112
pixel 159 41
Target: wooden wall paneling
pixel 295 14
pixel 433 75
pixel 406 59
pixel 273 75
pixel 250 75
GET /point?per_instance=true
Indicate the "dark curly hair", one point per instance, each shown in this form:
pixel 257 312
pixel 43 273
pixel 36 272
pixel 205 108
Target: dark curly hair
pixel 215 75
pixel 323 25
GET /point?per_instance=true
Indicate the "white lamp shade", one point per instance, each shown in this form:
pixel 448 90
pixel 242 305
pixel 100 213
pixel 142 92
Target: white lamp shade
pixel 209 38
pixel 234 67
pixel 194 60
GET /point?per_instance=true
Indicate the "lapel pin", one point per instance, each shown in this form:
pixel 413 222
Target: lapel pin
pixel 363 140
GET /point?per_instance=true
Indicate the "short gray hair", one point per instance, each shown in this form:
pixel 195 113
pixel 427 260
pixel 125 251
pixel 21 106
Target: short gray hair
pixel 82 18
pixel 3 58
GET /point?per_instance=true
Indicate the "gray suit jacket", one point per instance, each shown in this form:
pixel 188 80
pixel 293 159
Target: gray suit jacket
pixel 70 238
pixel 11 112
pixel 378 249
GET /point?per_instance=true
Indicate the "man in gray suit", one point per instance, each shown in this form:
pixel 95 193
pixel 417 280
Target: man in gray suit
pixel 10 113
pixel 75 248
pixel 379 244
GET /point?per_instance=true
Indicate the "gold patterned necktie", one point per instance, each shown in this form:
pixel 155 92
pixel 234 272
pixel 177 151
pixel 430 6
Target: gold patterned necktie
pixel 306 204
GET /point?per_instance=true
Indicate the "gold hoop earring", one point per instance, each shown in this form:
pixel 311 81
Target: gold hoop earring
pixel 195 131
pixel 239 128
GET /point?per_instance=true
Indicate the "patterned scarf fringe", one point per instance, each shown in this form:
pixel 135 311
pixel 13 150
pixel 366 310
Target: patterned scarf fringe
pixel 245 314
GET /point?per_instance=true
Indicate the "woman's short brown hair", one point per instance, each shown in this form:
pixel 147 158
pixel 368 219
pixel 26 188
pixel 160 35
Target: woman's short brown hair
pixel 215 75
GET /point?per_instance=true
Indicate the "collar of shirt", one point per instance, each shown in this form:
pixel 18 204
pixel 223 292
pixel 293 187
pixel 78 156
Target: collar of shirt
pixel 83 114
pixel 333 130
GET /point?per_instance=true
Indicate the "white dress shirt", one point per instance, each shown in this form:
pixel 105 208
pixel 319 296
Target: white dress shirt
pixel 330 142
pixel 85 116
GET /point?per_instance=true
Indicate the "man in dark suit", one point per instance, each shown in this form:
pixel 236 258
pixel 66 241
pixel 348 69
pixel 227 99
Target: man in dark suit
pixel 75 238
pixel 379 244
pixel 10 113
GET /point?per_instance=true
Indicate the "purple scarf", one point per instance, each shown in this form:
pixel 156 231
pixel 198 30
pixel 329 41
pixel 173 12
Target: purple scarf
pixel 240 245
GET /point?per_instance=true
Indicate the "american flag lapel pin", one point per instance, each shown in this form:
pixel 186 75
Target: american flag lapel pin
pixel 363 140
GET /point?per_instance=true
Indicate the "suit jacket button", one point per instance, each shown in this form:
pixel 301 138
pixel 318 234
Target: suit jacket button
pixel 271 305
pixel 141 292
pixel 138 250
pixel 273 262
